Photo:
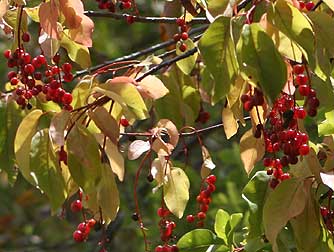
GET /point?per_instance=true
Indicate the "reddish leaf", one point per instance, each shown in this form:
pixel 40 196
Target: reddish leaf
pixel 73 11
pixel 48 16
pixel 83 34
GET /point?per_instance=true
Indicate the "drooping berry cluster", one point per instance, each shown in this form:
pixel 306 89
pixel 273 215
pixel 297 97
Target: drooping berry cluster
pixel 166 231
pixel 182 35
pixel 204 200
pixel 304 88
pixel 250 100
pixel 34 76
pixel 83 230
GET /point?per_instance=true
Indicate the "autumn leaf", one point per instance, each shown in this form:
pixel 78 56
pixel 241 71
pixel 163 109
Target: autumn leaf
pixel 251 149
pixel 137 148
pixel 152 87
pixel 57 127
pixel 4 4
pixel 207 165
pixel 230 123
pixel 48 16
pixel 176 191
pixel 83 34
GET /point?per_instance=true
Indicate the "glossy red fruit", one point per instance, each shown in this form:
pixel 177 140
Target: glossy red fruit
pixel 7 53
pixel 66 67
pixel 183 47
pixel 41 59
pixel 124 122
pixel 211 179
pixel 130 19
pixel 176 37
pixel 68 77
pixel 159 248
pixel 204 208
pixel 298 69
pixel 29 69
pixel 26 37
pixel 324 211
pixel 160 212
pixel 190 218
pixel 14 81
pixel 84 228
pixel 301 79
pixel 56 58
pixel 301 5
pixel 180 22
pixel 78 236
pixel 285 176
pixel 126 5
pixel 201 215
pixel 184 36
pixel 309 5
pixel 67 98
pixel 174 248
pixel 248 105
pixel 91 222
pixel 304 90
pixel 76 206
pixel 304 150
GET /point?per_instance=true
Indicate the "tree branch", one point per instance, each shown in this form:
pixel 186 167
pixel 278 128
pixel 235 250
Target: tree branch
pixel 142 19
pixel 138 54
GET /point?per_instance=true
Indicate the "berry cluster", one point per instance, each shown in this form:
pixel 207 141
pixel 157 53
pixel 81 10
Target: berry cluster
pixel 250 100
pixel 307 6
pixel 204 200
pixel 327 216
pixel 304 88
pixel 110 5
pixel 166 231
pixel 83 230
pixel 34 76
pixel 182 35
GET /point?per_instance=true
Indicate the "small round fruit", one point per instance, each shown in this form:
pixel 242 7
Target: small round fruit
pixel 211 179
pixel 309 5
pixel 201 215
pixel 298 69
pixel 190 218
pixel 124 122
pixel 26 37
pixel 184 36
pixel 66 67
pixel 304 150
pixel 301 79
pixel 76 206
pixel 183 47
pixel 67 98
pixel 78 236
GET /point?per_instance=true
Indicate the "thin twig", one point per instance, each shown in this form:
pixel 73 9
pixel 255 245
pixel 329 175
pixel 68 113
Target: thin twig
pixel 142 19
pixel 141 53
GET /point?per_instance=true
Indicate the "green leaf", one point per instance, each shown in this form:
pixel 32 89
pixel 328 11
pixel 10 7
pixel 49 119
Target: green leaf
pixel 325 93
pixel 285 202
pixel 197 240
pixel 222 218
pixel 191 100
pixel 176 191
pixel 295 25
pixel 254 193
pixel 235 219
pixel 84 158
pixel 107 196
pixel 218 51
pixel 22 143
pixel 127 96
pixel 186 65
pixel 307 220
pixel 10 118
pixel 76 52
pixel 45 169
pixel 261 63
pixel 326 127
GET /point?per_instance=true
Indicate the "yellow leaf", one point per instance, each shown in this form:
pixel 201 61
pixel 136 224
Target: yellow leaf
pixel 330 4
pixel 207 165
pixel 230 124
pixel 251 149
pixel 105 122
pixel 22 143
pixel 57 127
pixel 176 191
pixel 152 87
pixel 116 159
pixel 4 4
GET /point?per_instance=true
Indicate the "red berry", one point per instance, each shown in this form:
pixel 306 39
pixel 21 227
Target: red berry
pixel 126 5
pixel 41 59
pixel 174 248
pixel 160 212
pixel 270 171
pixel 211 188
pixel 76 206
pixel 78 236
pixel 91 222
pixel 21 100
pixel 304 149
pixel 200 224
pixel 180 22
pixel 244 98
pixel 66 67
pixel 201 215
pixel 273 183
pixel 300 113
pixel 248 105
pixel 301 5
pixel 309 5
pixel 176 37
pixel 84 228
pixel 304 90
pixel 184 36
pixel 11 75
pixel 7 54
pixel 183 47
pixel 14 81
pixel 68 77
pixel 55 70
pixel 124 122
pixel 67 98
pixel 324 211
pixel 204 208
pixel 56 58
pixel 159 248
pixel 267 161
pixel 190 218
pixel 301 79
pixel 184 28
pixel 211 179
pixel 298 69
pixel 26 37
pixel 130 19
pixel 285 176
pixel 26 58
pixel 29 69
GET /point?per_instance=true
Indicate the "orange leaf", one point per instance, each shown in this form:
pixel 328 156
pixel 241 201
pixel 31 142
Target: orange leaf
pixel 83 34
pixel 48 16
pixel 73 12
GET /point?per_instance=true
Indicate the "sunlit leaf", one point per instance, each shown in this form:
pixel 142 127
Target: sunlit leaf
pixel 222 218
pixel 151 86
pixel 48 16
pixel 57 127
pixel 251 149
pixel 187 64
pixel 207 165
pixel 137 148
pixel 230 123
pixel 197 240
pixel 176 191
pixel 22 144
